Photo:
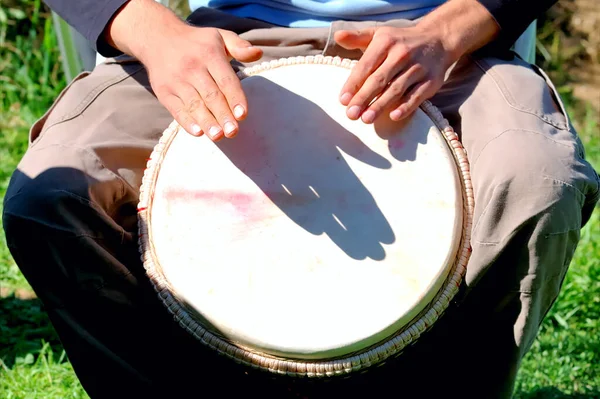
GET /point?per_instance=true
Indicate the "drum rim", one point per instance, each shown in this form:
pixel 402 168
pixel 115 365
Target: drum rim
pixel 370 356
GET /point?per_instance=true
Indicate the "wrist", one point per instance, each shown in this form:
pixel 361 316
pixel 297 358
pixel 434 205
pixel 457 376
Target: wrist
pixel 139 26
pixel 461 26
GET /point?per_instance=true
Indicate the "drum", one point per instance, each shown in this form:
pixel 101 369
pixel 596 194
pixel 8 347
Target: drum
pixel 311 244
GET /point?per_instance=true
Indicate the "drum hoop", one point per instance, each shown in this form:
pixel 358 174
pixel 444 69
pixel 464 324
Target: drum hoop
pixel 374 355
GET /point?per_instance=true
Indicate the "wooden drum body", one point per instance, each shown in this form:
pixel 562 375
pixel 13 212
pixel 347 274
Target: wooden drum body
pixel 309 245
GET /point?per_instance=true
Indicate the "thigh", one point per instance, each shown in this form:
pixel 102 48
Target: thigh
pixel 104 125
pixel 533 190
pixel 526 158
pixel 74 199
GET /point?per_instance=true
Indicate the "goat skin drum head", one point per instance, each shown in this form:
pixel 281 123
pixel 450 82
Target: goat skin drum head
pixel 309 236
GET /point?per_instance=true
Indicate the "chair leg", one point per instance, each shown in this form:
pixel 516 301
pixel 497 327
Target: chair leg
pixel 525 44
pixel 76 53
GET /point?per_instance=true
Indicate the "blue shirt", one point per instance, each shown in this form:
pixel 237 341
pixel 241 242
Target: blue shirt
pixel 315 13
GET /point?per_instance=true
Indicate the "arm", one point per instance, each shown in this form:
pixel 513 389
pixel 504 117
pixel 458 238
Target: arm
pixel 90 18
pixel 513 17
pixel 402 67
pixel 189 67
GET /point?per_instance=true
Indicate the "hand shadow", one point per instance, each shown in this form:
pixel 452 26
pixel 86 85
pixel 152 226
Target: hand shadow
pixel 403 137
pixel 293 151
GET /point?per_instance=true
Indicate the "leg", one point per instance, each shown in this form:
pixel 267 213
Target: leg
pixel 71 224
pixel 70 216
pixel 533 193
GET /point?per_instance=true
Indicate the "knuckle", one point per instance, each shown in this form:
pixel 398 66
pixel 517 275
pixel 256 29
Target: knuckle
pixel 377 106
pixel 226 81
pixel 178 114
pixel 353 86
pixel 161 89
pixel 359 100
pixel 165 96
pixel 418 69
pixel 225 115
pixel 211 52
pixel 182 117
pixel 206 122
pixel 397 88
pixel 211 95
pixel 195 104
pixel 402 52
pixel 379 79
pixel 385 39
pixel 211 30
pixel 415 100
pixel 190 62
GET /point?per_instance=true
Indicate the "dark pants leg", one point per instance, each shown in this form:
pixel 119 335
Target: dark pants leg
pixel 70 220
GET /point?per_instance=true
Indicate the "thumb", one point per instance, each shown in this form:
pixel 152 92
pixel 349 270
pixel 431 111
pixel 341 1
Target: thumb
pixel 238 48
pixel 354 39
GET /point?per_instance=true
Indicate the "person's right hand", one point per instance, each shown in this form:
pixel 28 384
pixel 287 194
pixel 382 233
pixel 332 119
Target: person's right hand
pixel 188 66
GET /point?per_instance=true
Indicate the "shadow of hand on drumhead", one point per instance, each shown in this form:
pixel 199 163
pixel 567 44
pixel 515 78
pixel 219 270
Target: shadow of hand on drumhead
pixel 297 155
pixel 403 137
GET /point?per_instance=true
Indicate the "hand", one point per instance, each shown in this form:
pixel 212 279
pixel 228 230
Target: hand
pixel 402 67
pixel 191 76
pixel 188 67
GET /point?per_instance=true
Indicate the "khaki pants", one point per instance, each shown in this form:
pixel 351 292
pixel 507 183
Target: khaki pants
pixel 70 221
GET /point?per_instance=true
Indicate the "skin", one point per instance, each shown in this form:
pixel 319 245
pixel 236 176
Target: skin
pixel 400 68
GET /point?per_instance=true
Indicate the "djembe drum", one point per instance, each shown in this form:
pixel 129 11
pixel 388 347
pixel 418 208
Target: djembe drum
pixel 311 244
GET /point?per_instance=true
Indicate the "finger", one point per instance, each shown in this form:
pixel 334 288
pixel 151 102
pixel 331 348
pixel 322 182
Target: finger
pixel 374 86
pixel 229 84
pixel 352 40
pixel 195 107
pixel 238 48
pixel 176 108
pixel 373 57
pixel 214 100
pixel 413 99
pixel 392 95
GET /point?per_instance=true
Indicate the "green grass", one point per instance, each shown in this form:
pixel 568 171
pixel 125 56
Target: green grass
pixel 564 361
pixel 32 361
pixel 41 374
pixel 30 78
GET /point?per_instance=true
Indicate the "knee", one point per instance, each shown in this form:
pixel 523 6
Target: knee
pixel 46 201
pixel 523 178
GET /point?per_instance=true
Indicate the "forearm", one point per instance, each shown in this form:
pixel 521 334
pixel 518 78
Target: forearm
pixel 514 16
pixel 462 26
pixel 89 17
pixel 465 26
pixel 139 26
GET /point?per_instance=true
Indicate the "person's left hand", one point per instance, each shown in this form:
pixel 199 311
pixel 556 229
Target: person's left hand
pixel 400 68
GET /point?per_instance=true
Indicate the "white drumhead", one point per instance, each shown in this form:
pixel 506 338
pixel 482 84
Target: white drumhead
pixel 308 236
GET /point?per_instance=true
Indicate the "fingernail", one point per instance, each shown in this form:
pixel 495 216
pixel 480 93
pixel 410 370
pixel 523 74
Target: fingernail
pixel 238 111
pixel 368 116
pixel 345 98
pixel 396 115
pixel 229 127
pixel 196 130
pixel 353 112
pixel 214 131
